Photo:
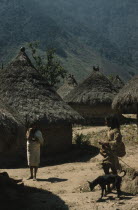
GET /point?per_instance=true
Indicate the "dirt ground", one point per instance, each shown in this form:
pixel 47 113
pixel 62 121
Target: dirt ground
pixel 64 186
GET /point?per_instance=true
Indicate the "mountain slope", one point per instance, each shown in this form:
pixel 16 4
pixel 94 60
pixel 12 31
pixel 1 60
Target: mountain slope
pixel 85 33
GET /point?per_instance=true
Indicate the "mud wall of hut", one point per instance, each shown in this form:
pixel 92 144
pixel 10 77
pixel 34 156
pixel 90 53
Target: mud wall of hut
pixel 93 114
pixel 129 109
pixel 12 140
pixel 12 148
pixel 57 138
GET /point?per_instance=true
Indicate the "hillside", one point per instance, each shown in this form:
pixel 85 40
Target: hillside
pixel 85 33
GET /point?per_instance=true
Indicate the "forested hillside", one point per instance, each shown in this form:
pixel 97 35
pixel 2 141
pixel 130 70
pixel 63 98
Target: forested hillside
pixel 85 33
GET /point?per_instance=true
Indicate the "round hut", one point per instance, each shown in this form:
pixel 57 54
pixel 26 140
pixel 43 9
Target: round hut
pixel 11 130
pixel 117 82
pixel 127 98
pixel 93 97
pixel 25 90
pixel 69 84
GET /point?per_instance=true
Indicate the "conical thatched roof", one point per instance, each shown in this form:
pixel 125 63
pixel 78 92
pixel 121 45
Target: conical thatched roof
pixel 96 89
pixel 24 89
pixel 128 95
pixel 11 129
pixel 117 82
pixel 69 84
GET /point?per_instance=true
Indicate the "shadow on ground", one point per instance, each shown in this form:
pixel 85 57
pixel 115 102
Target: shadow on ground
pixel 124 196
pixel 76 154
pixel 28 198
pixel 52 180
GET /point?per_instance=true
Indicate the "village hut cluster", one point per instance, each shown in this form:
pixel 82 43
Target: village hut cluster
pixel 31 99
pixel 29 95
pixel 93 97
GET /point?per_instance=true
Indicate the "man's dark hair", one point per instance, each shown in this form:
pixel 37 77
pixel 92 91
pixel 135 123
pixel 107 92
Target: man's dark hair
pixel 113 121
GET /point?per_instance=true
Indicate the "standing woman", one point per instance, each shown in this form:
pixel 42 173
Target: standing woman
pixel 34 141
pixel 113 147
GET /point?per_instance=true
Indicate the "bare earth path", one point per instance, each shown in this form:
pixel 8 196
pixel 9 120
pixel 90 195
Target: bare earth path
pixel 68 181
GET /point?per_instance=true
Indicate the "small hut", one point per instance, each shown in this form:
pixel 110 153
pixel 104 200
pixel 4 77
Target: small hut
pixel 69 84
pixel 11 130
pixel 93 97
pixel 127 98
pixel 117 82
pixel 24 89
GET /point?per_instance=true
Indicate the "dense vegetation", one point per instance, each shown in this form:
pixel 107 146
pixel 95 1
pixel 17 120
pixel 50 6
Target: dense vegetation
pixel 84 33
pixel 48 66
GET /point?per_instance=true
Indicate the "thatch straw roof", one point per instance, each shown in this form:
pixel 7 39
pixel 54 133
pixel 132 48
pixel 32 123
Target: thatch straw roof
pixel 128 95
pixel 69 84
pixel 117 82
pixel 96 89
pixel 24 89
pixel 11 129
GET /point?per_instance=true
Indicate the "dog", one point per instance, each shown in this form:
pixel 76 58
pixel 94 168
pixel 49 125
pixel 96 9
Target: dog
pixel 107 180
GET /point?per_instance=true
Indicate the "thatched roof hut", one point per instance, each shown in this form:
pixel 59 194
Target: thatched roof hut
pixel 127 96
pixel 69 84
pixel 24 89
pixel 11 130
pixel 93 97
pixel 117 82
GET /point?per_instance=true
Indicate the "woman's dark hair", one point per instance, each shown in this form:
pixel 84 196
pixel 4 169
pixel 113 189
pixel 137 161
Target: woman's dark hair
pixel 112 121
pixel 33 124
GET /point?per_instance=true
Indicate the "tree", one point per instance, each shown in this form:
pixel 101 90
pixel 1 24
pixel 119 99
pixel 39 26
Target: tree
pixel 49 66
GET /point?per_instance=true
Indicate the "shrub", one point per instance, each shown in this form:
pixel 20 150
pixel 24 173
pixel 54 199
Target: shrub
pixel 81 139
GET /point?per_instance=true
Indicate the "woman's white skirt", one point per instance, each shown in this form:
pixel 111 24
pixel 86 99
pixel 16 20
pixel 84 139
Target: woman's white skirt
pixel 33 153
